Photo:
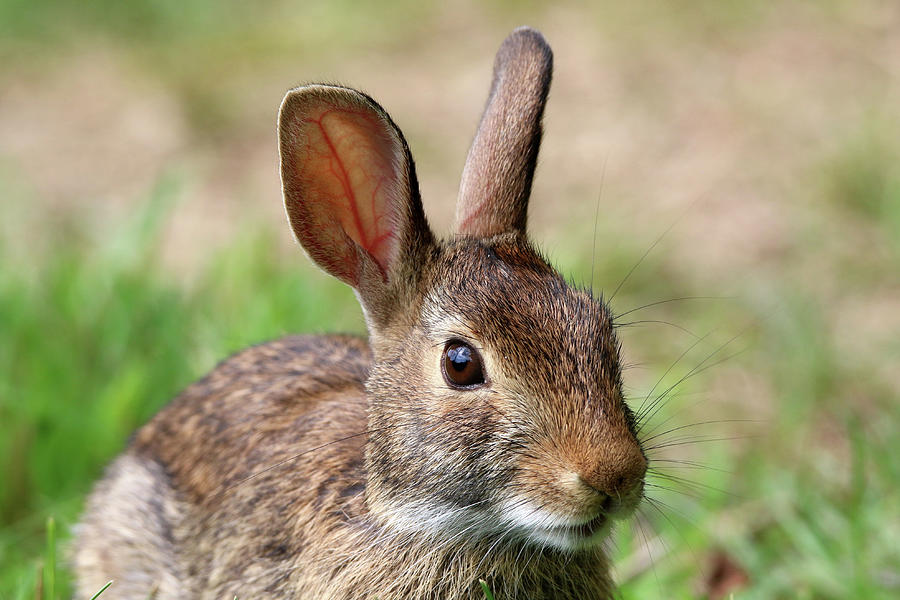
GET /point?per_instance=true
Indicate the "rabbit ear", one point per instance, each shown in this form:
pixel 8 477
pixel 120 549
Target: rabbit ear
pixel 496 181
pixel 350 187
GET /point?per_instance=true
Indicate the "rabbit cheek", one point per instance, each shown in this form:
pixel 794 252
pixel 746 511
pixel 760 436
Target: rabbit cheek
pixel 469 431
pixel 454 448
pixel 439 471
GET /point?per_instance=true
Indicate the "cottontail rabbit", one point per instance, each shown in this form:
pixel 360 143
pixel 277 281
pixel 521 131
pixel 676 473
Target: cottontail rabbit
pixel 480 433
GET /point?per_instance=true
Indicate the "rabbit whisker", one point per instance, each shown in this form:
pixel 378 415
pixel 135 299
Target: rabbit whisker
pixel 690 425
pixel 679 299
pixel 656 405
pixel 650 249
pixel 640 413
pixel 597 220
pixel 698 440
pixel 656 322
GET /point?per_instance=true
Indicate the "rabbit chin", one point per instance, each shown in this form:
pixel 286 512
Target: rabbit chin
pixel 516 520
pixel 545 528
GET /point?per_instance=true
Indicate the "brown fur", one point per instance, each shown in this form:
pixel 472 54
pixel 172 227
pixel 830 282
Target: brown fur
pixel 496 183
pixel 328 468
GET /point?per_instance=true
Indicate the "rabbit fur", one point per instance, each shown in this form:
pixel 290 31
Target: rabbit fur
pixel 329 467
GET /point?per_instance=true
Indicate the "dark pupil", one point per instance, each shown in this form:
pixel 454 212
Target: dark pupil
pixel 460 357
pixel 462 365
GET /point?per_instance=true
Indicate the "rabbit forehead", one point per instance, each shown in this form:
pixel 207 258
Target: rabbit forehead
pixel 542 334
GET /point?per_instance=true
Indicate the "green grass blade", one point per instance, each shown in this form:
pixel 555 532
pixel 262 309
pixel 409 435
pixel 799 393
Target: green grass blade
pixel 50 564
pixel 487 590
pixel 103 589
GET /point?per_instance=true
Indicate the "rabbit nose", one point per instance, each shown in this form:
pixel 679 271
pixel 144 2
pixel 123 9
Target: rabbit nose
pixel 616 474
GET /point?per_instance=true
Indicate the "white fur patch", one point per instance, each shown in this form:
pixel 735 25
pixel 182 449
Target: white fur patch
pixel 517 518
pixel 541 526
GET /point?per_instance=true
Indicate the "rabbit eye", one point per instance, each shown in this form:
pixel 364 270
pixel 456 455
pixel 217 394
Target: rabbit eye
pixel 462 365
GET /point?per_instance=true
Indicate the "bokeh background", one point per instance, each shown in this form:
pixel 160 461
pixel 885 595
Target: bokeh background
pixel 748 151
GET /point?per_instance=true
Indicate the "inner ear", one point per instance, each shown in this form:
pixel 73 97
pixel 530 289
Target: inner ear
pixel 349 189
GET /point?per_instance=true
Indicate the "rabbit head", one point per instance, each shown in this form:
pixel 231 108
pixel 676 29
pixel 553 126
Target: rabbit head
pixel 495 401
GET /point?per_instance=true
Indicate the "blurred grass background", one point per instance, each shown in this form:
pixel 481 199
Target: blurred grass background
pixel 142 240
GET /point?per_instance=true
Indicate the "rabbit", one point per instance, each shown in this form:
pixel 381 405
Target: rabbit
pixel 480 433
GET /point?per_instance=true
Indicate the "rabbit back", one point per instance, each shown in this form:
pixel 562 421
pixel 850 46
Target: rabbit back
pixel 250 461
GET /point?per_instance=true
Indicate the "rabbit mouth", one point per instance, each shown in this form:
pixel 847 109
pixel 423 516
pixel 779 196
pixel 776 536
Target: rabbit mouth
pixel 584 531
pixel 582 536
pixel 539 526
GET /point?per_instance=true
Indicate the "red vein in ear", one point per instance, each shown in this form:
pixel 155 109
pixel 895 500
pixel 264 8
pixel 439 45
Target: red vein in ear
pixel 345 181
pixel 350 158
pixel 473 215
